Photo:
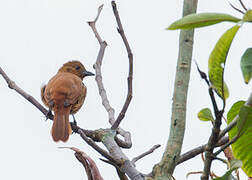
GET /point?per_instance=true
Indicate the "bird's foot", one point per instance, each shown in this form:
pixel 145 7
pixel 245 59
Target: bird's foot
pixel 49 114
pixel 74 123
pixel 74 128
pixel 74 120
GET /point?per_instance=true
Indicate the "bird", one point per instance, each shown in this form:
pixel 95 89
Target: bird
pixel 64 95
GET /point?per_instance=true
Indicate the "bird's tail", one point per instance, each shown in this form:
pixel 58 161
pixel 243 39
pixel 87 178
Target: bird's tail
pixel 61 128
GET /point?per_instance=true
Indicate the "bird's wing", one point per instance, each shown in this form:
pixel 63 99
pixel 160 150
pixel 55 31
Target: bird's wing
pixel 42 93
pixel 80 99
pixel 65 88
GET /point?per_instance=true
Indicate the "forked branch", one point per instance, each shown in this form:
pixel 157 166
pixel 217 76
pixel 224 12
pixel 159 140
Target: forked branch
pixel 108 135
pixel 98 77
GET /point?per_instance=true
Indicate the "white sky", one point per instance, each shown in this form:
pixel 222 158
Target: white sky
pixel 38 36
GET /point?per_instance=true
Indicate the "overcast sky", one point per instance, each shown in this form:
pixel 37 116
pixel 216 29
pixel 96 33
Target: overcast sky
pixel 38 36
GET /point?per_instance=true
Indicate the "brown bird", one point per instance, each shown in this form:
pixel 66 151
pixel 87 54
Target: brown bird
pixel 65 94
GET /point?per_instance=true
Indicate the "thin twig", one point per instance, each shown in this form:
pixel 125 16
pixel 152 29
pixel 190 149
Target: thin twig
pixel 226 145
pixel 244 7
pixel 235 8
pixel 213 139
pixel 130 75
pixel 92 24
pixel 202 74
pixel 198 150
pixel 229 127
pixel 210 90
pixel 135 159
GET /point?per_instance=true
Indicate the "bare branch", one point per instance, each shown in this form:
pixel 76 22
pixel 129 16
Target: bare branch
pixel 98 77
pixel 114 154
pixel 130 75
pixel 92 24
pixel 198 150
pixel 134 160
pixel 108 135
pixel 244 7
pixel 12 85
pixel 235 8
pixel 97 67
pixel 122 160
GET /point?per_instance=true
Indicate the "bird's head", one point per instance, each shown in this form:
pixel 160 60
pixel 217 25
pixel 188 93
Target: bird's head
pixel 77 68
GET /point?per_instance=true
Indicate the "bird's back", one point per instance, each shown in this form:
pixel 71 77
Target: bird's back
pixel 65 88
pixel 65 94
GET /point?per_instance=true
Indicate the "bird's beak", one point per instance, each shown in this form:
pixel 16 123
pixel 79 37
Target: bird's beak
pixel 87 73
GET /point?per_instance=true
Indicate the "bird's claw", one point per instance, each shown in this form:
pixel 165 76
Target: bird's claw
pixel 49 114
pixel 74 127
pixel 74 123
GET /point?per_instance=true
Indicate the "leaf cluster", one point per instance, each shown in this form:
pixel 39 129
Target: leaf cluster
pixel 240 111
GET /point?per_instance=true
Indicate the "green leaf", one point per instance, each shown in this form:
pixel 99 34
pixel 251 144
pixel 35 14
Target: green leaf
pixel 242 148
pixel 205 115
pixel 235 164
pixel 245 119
pixel 217 60
pixel 226 176
pixel 246 65
pixel 201 20
pixel 234 110
pixel 247 16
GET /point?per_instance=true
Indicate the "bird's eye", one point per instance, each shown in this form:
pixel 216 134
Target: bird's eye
pixel 77 67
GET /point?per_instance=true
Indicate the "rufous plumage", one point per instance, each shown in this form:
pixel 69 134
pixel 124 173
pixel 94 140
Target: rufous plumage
pixel 64 95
